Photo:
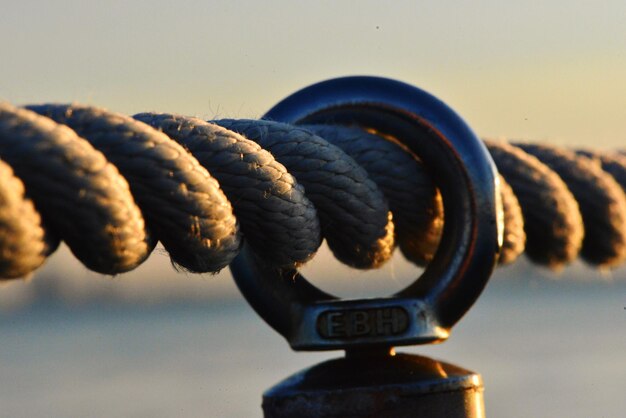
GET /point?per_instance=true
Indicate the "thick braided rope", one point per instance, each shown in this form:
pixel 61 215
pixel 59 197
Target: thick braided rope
pixel 23 244
pixel 83 198
pixel 614 164
pixel 413 199
pixel 354 215
pixel 183 205
pixel 552 220
pixel 276 217
pixel 601 200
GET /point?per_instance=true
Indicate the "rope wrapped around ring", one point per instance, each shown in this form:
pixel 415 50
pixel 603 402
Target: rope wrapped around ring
pixel 111 186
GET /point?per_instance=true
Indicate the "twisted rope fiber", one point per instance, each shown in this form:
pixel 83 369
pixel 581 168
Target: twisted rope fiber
pixel 614 164
pixel 56 185
pixel 601 200
pixel 552 220
pixel 81 196
pixel 413 198
pixel 353 212
pixel 23 241
pixel 183 205
pixel 276 216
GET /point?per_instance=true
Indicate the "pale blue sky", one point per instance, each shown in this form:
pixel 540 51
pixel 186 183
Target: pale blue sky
pixel 541 70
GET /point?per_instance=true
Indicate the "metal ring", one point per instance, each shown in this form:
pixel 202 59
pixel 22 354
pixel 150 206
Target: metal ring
pixel 424 312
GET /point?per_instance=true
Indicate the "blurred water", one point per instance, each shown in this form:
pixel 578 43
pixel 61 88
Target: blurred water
pixel 545 349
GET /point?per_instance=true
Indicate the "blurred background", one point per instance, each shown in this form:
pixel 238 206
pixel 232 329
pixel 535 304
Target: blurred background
pixel 160 343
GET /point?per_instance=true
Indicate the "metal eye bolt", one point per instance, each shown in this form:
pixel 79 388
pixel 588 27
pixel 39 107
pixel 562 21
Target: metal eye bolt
pixel 425 311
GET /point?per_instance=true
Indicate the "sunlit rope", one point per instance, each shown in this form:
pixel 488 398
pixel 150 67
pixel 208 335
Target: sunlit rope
pixel 111 186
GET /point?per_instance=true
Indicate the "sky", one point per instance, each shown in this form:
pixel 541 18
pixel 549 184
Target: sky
pixel 552 71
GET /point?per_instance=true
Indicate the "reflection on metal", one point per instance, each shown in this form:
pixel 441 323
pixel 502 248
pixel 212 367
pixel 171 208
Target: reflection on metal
pixel 378 322
pixel 425 311
pixel 384 386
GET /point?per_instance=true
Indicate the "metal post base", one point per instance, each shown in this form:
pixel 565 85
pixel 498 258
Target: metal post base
pixel 376 385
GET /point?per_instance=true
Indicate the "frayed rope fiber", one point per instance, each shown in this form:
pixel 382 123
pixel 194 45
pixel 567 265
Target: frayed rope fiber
pixel 111 186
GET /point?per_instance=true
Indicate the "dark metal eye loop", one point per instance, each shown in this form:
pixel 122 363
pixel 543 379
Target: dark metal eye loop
pixel 424 312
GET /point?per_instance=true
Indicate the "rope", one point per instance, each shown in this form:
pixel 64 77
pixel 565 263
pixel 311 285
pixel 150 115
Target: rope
pixel 23 244
pixel 601 200
pixel 183 205
pixel 276 217
pixel 81 197
pixel 413 199
pixel 110 186
pixel 353 212
pixel 552 221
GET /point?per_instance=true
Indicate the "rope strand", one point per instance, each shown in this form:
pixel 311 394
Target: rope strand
pixel 183 205
pixel 110 186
